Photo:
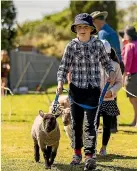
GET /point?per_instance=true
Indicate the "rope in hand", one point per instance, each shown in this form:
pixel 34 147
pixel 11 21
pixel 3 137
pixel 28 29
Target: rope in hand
pixel 55 105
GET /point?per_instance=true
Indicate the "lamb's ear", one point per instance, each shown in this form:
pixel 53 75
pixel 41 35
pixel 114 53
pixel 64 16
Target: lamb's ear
pixel 57 115
pixel 41 113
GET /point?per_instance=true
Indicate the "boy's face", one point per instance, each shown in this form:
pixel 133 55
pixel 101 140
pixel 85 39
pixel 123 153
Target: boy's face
pixel 83 30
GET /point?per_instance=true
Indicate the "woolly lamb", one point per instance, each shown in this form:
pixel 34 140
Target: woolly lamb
pixel 66 121
pixel 46 135
pixel 63 110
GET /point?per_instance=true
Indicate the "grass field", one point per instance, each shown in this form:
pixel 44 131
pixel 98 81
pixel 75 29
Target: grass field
pixel 17 145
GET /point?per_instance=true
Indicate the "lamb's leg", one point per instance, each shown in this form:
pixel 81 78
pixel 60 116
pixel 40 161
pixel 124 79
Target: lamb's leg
pixel 36 152
pixel 68 131
pixel 53 155
pixel 36 149
pixel 46 154
pixel 49 150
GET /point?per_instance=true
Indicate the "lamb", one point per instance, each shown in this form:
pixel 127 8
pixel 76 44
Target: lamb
pixel 64 111
pixel 46 135
pixel 66 119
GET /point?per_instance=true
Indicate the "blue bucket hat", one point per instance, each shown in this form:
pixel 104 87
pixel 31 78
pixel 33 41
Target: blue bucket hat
pixel 83 18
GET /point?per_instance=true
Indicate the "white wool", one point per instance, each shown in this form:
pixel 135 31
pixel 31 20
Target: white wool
pixel 68 131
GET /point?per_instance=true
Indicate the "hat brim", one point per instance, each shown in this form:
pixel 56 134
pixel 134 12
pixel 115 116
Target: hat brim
pixel 104 14
pixel 84 23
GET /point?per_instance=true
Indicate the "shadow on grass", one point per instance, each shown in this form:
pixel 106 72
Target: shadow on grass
pixel 124 124
pixel 111 157
pixel 7 120
pixel 100 167
pixel 116 168
pixel 67 167
pixel 128 132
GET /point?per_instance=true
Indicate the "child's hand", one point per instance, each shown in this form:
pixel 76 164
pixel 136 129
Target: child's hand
pixel 111 78
pixel 59 88
pixel 108 94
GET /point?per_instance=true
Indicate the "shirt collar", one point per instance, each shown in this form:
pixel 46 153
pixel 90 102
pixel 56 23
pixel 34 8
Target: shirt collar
pixel 92 39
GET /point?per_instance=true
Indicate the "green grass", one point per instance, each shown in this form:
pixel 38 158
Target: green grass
pixel 17 145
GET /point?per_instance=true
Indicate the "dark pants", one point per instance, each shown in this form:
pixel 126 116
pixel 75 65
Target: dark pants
pixel 89 97
pixel 114 121
pixel 107 119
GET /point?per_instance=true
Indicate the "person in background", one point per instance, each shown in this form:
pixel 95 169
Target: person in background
pixel 124 42
pixel 105 32
pixel 5 69
pixel 129 54
pixel 109 107
pixel 82 56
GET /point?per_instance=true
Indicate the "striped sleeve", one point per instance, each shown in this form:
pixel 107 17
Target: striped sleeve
pixel 65 63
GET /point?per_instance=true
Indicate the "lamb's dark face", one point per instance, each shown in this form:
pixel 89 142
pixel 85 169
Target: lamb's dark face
pixel 49 121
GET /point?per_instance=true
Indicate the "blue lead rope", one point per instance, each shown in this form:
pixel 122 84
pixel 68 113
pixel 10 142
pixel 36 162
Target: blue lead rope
pixel 103 93
pixel 82 105
pixel 100 99
pixel 55 105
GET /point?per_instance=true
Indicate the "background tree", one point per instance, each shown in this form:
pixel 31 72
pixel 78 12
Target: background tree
pixel 8 15
pixel 127 16
pixel 91 6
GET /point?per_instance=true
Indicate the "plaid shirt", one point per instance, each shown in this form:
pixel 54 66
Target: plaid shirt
pixel 82 60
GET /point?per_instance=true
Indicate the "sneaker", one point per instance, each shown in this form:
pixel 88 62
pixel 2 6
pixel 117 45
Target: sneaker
pixel 90 164
pixel 76 160
pixel 103 152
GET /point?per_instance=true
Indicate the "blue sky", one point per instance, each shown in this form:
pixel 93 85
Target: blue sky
pixel 36 9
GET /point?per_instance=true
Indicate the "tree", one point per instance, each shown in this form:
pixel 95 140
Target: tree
pixel 91 6
pixel 8 15
pixel 127 16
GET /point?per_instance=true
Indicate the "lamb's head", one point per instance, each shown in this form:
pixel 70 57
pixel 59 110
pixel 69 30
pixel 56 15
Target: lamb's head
pixel 49 121
pixel 66 116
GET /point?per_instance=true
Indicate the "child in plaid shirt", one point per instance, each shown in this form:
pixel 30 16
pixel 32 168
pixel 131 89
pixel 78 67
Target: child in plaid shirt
pixel 81 57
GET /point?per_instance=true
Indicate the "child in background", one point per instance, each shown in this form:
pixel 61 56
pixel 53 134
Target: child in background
pixel 5 69
pixel 109 106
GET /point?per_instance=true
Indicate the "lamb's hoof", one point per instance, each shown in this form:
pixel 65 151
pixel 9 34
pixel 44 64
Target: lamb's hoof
pixel 47 167
pixel 37 159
